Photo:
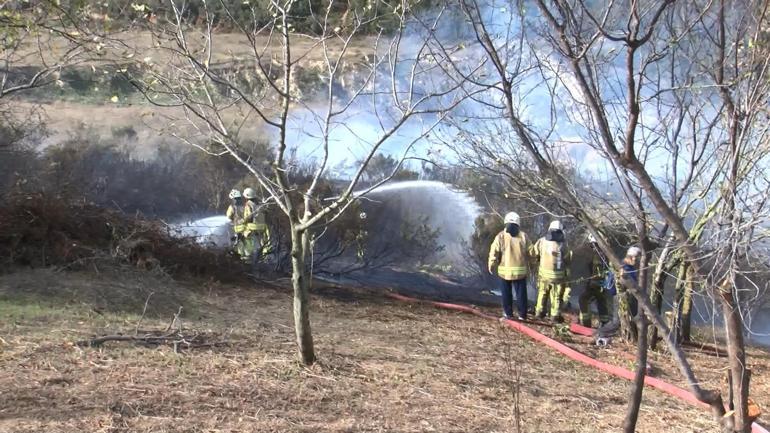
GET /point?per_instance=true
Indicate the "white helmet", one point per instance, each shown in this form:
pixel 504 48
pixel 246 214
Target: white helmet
pixel 234 194
pixel 555 225
pixel 511 218
pixel 591 238
pixel 634 252
pixel 249 193
pixel 362 215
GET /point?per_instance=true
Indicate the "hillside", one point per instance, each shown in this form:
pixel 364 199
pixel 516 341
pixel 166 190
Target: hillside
pixel 384 365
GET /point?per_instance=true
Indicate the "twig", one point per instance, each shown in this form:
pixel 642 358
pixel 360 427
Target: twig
pixel 319 377
pixel 144 311
pixel 173 321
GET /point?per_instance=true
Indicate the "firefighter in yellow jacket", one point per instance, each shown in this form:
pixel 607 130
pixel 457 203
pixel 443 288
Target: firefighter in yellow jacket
pixel 255 233
pixel 553 271
pixel 596 288
pixel 509 259
pixel 235 214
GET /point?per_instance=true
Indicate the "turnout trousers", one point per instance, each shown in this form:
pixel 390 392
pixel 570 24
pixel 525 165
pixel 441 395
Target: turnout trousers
pixel 552 295
pixel 252 248
pixel 595 293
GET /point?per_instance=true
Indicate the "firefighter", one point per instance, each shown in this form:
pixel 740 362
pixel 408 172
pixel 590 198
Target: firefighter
pixel 361 236
pixel 509 259
pixel 235 215
pixel 256 229
pixel 625 304
pixel 630 271
pixel 596 288
pixel 553 271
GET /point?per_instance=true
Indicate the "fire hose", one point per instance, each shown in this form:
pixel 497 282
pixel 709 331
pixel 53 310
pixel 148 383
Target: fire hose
pixel 573 354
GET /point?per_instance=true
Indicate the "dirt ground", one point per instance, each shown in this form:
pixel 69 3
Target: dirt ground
pixel 384 366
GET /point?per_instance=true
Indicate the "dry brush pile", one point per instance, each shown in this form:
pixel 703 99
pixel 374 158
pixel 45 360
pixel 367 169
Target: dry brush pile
pixel 38 231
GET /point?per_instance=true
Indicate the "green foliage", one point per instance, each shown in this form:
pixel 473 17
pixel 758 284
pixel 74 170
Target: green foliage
pixel 420 240
pixel 89 85
pixel 561 332
pixel 381 166
pixel 486 228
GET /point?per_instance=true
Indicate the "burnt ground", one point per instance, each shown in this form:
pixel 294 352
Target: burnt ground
pixel 383 365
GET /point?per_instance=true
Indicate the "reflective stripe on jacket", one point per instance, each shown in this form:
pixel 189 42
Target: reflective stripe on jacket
pixel 255 220
pixel 555 259
pixel 235 215
pixel 509 254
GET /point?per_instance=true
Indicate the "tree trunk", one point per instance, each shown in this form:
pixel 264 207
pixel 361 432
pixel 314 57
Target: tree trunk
pixel 628 329
pixel 637 388
pixel 300 245
pixel 686 324
pixel 635 397
pixel 676 319
pixel 736 353
pixel 656 297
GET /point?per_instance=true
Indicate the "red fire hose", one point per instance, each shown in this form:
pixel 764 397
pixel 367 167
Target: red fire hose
pixel 575 355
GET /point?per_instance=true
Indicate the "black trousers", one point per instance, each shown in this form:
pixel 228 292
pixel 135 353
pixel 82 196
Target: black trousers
pixel 507 287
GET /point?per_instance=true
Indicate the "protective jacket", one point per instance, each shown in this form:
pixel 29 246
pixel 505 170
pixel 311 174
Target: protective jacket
pixel 253 218
pixel 598 270
pixel 235 215
pixel 555 258
pixel 510 255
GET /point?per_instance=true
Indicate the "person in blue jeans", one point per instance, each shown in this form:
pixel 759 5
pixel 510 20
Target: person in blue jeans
pixel 625 304
pixel 509 259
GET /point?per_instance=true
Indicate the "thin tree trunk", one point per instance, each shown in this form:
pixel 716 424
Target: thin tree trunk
pixel 628 329
pixel 637 388
pixel 656 297
pixel 689 286
pixel 300 279
pixel 635 397
pixel 737 358
pixel 676 319
pixel 733 321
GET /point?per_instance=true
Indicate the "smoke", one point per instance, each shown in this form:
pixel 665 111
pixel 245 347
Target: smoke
pixel 409 71
pixel 450 211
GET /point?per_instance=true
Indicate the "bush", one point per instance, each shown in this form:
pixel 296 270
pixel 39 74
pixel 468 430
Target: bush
pixel 103 172
pixel 41 230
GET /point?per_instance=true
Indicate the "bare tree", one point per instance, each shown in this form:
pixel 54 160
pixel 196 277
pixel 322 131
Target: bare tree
pixel 294 87
pixel 36 43
pixel 610 72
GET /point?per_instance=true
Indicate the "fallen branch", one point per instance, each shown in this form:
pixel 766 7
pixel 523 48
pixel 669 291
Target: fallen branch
pixel 175 339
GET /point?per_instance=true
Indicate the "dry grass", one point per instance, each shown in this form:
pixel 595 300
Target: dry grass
pixel 710 368
pixel 228 46
pixel 96 112
pixel 383 366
